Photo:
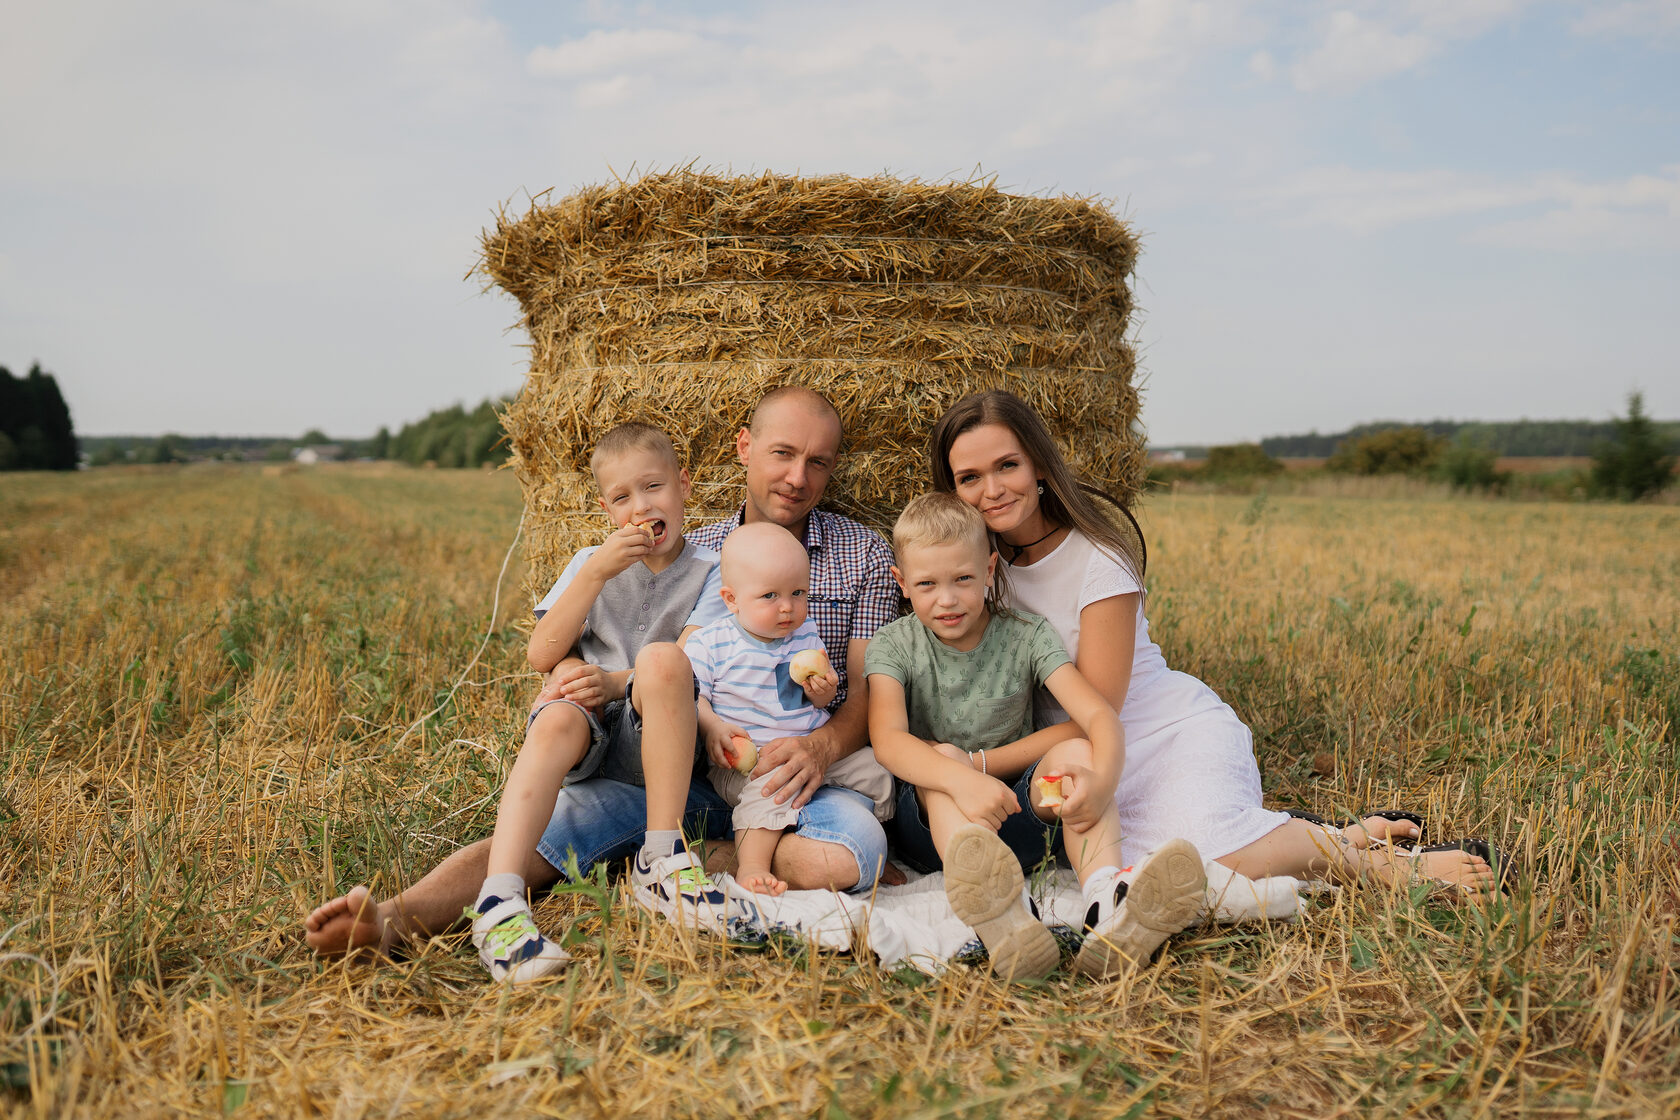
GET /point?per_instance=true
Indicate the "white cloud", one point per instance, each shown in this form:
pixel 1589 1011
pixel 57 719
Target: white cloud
pixel 1356 51
pixel 1629 19
pixel 1550 211
pixel 1365 41
pixel 609 51
pixel 1639 214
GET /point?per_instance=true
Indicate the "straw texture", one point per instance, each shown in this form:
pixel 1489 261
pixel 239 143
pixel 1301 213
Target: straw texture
pixel 678 299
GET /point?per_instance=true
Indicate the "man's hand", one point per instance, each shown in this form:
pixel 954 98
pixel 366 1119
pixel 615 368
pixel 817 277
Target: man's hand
pixel 821 690
pixel 800 765
pixel 623 548
pixel 983 799
pixel 589 686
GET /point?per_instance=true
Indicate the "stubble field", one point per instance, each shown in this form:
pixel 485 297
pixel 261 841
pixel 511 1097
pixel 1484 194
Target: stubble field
pixel 227 694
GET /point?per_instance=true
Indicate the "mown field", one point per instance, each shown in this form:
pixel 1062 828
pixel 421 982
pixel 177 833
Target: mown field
pixel 226 695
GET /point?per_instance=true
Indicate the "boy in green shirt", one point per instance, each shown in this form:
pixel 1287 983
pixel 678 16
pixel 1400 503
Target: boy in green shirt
pixel 950 714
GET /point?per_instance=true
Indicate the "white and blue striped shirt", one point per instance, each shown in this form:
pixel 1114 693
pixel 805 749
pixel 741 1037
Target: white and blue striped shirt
pixel 746 681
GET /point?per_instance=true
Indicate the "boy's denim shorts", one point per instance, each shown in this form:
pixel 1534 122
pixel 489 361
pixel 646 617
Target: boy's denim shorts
pixel 1032 840
pixel 615 740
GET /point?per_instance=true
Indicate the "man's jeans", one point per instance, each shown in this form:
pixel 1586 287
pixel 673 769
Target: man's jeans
pixel 602 819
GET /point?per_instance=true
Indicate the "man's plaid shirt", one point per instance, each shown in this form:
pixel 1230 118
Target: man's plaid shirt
pixel 852 589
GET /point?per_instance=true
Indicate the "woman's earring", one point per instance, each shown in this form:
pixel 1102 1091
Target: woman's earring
pixel 1041 488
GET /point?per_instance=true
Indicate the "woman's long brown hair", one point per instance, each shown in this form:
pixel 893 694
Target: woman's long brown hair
pixel 1067 499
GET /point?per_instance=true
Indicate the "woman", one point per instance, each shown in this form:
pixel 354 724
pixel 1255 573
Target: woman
pixel 1190 769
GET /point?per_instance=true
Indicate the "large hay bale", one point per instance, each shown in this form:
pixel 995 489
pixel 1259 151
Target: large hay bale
pixel 678 299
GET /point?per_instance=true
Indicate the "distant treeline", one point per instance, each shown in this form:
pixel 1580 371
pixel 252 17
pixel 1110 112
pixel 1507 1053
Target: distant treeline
pixel 447 437
pixel 35 429
pixel 453 437
pixel 1526 438
pixel 104 451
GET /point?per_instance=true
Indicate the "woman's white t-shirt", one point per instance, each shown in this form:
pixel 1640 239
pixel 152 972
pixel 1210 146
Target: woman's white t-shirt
pixel 1063 584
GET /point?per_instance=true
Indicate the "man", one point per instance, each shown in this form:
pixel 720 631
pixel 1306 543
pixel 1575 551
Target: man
pixel 788 451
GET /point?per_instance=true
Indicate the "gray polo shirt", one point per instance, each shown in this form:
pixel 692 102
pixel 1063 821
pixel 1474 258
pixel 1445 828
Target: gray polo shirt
pixel 638 606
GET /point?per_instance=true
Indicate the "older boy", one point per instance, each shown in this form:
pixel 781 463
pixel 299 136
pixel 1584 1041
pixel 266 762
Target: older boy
pixel 789 451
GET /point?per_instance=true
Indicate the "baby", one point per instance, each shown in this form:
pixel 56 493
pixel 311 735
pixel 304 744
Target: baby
pixel 751 673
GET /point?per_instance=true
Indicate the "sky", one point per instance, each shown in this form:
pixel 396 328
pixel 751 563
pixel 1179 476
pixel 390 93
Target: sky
pixel 260 217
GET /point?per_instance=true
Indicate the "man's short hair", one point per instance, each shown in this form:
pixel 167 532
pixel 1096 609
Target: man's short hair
pixel 809 397
pixel 939 518
pixel 632 436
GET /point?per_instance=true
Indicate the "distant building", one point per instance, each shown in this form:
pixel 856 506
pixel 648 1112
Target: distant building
pixel 317 453
pixel 1167 455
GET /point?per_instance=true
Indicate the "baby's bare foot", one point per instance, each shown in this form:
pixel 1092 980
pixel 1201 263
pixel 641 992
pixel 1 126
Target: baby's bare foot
pixel 345 924
pixel 760 882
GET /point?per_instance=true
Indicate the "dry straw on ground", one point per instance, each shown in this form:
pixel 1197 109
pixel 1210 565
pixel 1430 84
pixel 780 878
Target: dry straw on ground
pixel 678 299
pixel 206 677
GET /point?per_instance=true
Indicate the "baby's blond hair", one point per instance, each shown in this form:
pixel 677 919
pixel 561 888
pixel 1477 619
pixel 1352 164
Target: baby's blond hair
pixel 939 518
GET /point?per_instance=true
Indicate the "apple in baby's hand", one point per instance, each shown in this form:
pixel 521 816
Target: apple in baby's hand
pixel 1050 792
pixel 741 753
pixel 808 663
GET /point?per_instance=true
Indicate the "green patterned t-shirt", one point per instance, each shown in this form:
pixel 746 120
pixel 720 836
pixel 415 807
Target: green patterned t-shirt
pixel 976 700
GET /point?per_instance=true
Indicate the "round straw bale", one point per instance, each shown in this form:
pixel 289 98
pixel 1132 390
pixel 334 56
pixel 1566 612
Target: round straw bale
pixel 678 299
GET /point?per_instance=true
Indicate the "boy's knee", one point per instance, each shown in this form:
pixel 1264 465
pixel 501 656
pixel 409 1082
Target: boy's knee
pixel 1070 750
pixel 558 722
pixel 663 665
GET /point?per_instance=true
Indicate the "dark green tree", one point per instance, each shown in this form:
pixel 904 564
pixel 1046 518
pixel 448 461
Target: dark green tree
pixel 1236 460
pixel 169 448
pixel 34 417
pixel 1637 462
pixel 1396 451
pixel 1470 465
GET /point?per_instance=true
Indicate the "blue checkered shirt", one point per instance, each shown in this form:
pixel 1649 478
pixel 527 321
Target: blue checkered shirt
pixel 852 589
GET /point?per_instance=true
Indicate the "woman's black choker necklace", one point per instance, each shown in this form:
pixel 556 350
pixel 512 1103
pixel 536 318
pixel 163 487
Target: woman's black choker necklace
pixel 1015 550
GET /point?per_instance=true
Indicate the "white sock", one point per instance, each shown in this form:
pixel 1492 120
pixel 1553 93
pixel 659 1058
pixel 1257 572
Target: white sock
pixel 504 886
pixel 1099 883
pixel 660 843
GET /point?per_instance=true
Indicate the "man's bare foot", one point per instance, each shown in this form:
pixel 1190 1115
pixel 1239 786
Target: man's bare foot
pixel 892 875
pixel 1455 872
pixel 761 882
pixel 348 923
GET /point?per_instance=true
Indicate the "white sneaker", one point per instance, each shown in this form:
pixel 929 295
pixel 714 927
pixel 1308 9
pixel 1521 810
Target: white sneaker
pixel 984 884
pixel 678 887
pixel 1145 907
pixel 510 945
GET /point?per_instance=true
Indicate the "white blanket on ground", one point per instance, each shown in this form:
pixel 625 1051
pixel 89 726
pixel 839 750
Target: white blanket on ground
pixel 914 925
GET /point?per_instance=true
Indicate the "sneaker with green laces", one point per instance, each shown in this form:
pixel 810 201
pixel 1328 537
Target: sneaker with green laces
pixel 678 887
pixel 510 944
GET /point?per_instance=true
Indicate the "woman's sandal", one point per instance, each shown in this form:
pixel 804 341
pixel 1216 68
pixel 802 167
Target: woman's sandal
pixel 1504 868
pixel 1385 814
